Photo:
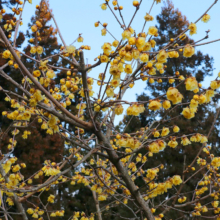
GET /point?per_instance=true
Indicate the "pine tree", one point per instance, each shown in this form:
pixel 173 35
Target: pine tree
pixel 4 16
pixel 171 23
pixel 78 196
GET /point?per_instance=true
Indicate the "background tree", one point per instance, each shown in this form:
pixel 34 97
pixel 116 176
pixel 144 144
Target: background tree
pixel 42 143
pixel 171 23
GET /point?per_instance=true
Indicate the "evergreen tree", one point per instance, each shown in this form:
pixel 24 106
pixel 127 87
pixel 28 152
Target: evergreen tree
pixel 78 197
pixel 171 23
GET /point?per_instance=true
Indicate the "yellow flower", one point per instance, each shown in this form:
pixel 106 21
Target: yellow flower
pixel 203 139
pixel 157 146
pixel 103 6
pixel 35 215
pixel 202 99
pixel 96 24
pixel 153 43
pixel 159 66
pixel 166 104
pixel 131 30
pixel 104 59
pixel 192 27
pixel 40 50
pixel 156 134
pixel 154 105
pixel 97 107
pixel 44 126
pixel 34 28
pixel 50 171
pixel 176 129
pixel 205 18
pixel 107 48
pixel 140 41
pixel 182 199
pixel 215 84
pixel 115 43
pixel 119 109
pixel 50 74
pixel 148 17
pixel 80 39
pixel 177 180
pixel 36 73
pixel 216 162
pixel 53 214
pixel 51 198
pixel 43 65
pixel 132 40
pixel 102 197
pixel 174 95
pixel 10 201
pixel 128 69
pixel 30 211
pixel 185 141
pixel 103 31
pixel 152 31
pixel 6 54
pixel 135 54
pixel 114 70
pixel 188 113
pixel 209 94
pixel 115 82
pixel 204 209
pixel 30 181
pixel 173 54
pixel 26 116
pixel 128 56
pixel 191 83
pixel 172 143
pixel 4 113
pixel 40 212
pixel 144 57
pixel 110 92
pixel 135 109
pixel 165 131
pixel 151 80
pixel 39 24
pixel 126 34
pixel 162 56
pixel 215 204
pixel 193 104
pixel 70 49
pixel 188 51
pixel 147 46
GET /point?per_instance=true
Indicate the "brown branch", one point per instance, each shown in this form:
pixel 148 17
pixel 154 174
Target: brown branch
pixel 85 88
pixel 121 15
pixel 148 13
pixel 114 14
pixel 113 157
pixel 17 25
pixel 97 205
pixel 61 37
pixel 137 8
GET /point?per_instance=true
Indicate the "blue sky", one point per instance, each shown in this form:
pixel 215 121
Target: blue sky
pixel 74 17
